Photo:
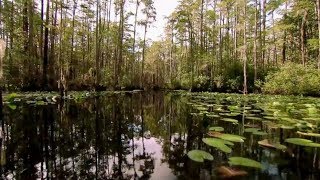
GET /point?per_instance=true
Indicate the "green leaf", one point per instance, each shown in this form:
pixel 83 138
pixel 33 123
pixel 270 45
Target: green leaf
pixel 240 161
pixel 11 97
pixel 260 133
pixel 211 115
pixel 12 106
pixel 316 145
pixel 251 130
pixel 232 137
pixel 199 156
pixel 254 118
pixel 216 128
pixel 219 144
pixel 309 134
pixel 267 143
pixel 230 120
pixel 298 141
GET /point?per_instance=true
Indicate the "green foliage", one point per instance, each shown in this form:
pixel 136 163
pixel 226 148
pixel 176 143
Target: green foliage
pixel 240 161
pixel 293 79
pixel 11 97
pixel 216 128
pixel 232 137
pixel 219 144
pixel 302 142
pixel 199 156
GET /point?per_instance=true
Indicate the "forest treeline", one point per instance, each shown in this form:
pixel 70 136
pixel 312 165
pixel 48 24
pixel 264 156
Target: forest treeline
pixel 211 45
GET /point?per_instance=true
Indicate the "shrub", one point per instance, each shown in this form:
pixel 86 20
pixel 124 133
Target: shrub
pixel 293 79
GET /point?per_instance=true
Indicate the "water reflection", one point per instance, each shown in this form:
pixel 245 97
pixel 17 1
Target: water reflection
pixel 119 136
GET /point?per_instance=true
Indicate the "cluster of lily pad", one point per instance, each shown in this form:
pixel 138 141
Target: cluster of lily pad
pixel 39 99
pixel 262 115
pixel 223 142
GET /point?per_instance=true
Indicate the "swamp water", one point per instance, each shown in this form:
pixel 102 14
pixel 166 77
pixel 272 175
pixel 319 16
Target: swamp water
pixel 160 135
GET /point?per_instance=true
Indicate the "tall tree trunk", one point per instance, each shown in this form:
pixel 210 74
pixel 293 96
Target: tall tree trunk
pixel 1 20
pixel 11 36
pixel 264 18
pixel 255 55
pixel 62 85
pixel 236 32
pixel 72 58
pixel 41 29
pixel 31 49
pixel 97 46
pixel 143 57
pixel 119 53
pixel 302 37
pixel 25 27
pixel 245 88
pixel 284 45
pixel 275 58
pixel 171 52
pixel 46 49
pixel 134 39
pixel 318 12
pixel 52 40
pixel 201 26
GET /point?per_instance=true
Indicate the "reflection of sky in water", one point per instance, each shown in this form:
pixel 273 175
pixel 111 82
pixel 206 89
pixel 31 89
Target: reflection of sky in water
pixel 154 147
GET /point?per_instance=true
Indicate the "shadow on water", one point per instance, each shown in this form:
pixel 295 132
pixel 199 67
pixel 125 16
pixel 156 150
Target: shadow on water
pixel 121 136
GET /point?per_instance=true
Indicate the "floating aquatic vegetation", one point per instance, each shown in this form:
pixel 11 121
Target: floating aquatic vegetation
pixel 212 115
pixel 310 134
pixel 311 119
pixel 269 144
pixel 12 106
pixel 270 117
pixel 11 97
pixel 240 161
pixel 254 118
pixel 227 172
pixel 251 130
pixel 228 137
pixel 197 114
pixel 298 141
pixel 216 128
pixel 260 133
pixel 234 121
pixel 199 156
pixel 219 144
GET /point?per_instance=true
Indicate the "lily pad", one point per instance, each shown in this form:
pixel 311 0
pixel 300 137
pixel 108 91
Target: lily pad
pixel 230 120
pixel 12 106
pixel 199 156
pixel 270 117
pixel 211 115
pixel 254 118
pixel 267 143
pixel 227 172
pixel 251 130
pixel 216 128
pixel 298 141
pixel 240 161
pixel 228 137
pixel 311 119
pixel 260 133
pixel 309 134
pixel 219 144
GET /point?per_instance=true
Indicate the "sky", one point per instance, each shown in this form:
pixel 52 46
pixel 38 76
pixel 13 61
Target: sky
pixel 163 8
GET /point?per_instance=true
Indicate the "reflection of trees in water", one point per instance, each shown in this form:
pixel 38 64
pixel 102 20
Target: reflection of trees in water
pixel 89 139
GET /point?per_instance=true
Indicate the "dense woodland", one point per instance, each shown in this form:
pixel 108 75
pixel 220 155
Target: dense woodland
pixel 209 45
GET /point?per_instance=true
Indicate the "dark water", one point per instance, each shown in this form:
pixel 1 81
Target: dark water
pixel 125 136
